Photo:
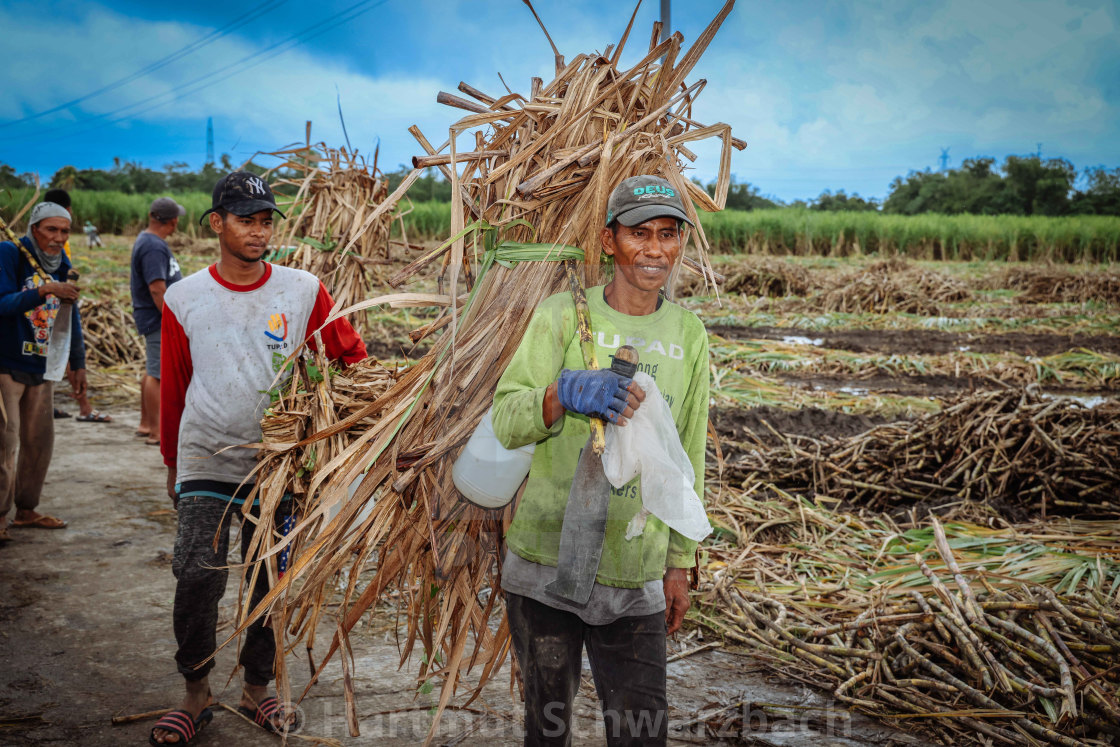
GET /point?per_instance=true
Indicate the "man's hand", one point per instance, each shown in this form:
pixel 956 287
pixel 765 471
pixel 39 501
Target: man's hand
pixel 171 487
pixel 676 598
pixel 602 393
pixel 77 381
pixel 63 291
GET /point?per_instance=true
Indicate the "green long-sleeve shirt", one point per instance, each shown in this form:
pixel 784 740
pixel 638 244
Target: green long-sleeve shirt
pixel 672 346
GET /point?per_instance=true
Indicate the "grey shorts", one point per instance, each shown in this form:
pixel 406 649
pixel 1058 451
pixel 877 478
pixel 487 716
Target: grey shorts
pixel 151 348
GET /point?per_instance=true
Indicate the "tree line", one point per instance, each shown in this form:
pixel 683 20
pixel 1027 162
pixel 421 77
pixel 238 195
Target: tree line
pixel 1022 185
pixel 130 177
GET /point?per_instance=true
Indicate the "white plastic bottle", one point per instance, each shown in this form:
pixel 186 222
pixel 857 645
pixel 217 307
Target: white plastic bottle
pixel 486 473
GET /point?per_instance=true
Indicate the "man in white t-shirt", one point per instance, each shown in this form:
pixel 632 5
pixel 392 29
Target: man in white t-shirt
pixel 226 330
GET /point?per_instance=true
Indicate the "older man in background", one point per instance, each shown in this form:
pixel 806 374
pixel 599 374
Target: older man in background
pixel 34 295
pixel 154 268
pixel 86 413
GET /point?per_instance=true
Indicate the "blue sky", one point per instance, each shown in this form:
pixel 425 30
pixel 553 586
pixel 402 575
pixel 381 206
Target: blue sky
pixel 830 95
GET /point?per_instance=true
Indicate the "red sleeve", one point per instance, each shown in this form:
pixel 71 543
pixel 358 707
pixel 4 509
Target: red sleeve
pixel 340 339
pixel 175 371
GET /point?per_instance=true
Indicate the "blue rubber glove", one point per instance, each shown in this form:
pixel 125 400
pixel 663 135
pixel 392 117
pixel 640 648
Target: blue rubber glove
pixel 600 394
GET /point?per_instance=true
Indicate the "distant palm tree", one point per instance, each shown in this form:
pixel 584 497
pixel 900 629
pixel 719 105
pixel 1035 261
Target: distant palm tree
pixel 65 178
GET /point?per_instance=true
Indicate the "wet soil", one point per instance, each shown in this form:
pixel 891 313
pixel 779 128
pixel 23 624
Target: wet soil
pixel 932 386
pixel 85 635
pixel 770 424
pixel 384 349
pixel 929 342
pixel 912 385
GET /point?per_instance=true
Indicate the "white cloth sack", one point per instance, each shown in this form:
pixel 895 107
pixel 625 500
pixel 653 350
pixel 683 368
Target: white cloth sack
pixel 649 446
pixel 58 349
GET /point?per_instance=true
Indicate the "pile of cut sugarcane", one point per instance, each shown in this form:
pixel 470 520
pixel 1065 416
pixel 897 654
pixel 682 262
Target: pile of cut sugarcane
pixel 1015 450
pixel 109 332
pixel 964 632
pixel 339 223
pixel 895 286
pixel 1049 284
pixel 756 276
pixel 532 192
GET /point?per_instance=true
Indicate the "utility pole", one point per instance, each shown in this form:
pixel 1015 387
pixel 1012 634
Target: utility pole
pixel 209 140
pixel 944 159
pixel 665 33
pixel 1038 152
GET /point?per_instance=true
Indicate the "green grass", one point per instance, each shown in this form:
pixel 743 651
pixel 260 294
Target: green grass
pixel 807 233
pixel 120 213
pixel 111 212
pixel 930 236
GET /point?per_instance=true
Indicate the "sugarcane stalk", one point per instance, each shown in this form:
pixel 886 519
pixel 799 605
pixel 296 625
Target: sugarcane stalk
pixel 586 345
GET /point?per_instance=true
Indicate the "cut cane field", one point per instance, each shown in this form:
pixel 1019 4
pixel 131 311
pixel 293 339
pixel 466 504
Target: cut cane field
pixel 881 420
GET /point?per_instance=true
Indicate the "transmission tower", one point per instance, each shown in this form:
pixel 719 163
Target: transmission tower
pixel 944 159
pixel 209 140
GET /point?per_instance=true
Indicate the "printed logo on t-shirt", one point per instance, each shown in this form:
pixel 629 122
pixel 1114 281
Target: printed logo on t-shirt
pixel 277 331
pixel 644 346
pixel 42 322
pixel 172 268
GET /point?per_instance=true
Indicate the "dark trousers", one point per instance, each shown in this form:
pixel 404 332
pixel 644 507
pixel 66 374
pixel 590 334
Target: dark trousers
pixel 201 575
pixel 627 662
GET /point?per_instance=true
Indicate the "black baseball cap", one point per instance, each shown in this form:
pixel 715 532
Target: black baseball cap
pixel 642 198
pixel 242 193
pixel 165 208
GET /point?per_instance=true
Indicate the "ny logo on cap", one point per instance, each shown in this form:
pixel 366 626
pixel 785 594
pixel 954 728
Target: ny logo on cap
pixel 256 186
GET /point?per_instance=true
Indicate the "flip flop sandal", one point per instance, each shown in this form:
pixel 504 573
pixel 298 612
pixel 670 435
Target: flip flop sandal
pixel 60 414
pixel 95 416
pixel 182 723
pixel 42 522
pixel 268 710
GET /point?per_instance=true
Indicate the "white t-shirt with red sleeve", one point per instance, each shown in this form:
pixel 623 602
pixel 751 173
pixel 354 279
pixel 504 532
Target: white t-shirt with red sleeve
pixel 221 347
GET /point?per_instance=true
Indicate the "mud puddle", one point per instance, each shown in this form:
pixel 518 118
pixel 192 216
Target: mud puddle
pixel 771 424
pixel 930 342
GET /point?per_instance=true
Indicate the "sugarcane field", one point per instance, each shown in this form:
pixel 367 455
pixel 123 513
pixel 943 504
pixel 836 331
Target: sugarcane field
pixel 364 466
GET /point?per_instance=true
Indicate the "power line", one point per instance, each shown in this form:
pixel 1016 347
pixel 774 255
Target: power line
pixel 205 81
pixel 194 46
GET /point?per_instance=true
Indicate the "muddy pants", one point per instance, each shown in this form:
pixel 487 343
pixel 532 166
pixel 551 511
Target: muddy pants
pixel 627 662
pixel 28 431
pixel 201 582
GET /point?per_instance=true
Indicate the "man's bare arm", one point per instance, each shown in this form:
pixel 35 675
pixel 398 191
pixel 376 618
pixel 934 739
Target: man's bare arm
pixel 157 289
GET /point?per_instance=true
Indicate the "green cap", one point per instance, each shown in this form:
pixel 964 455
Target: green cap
pixel 642 198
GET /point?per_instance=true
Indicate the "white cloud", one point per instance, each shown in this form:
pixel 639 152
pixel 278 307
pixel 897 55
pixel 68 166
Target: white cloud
pixel 828 95
pixel 878 88
pixel 262 108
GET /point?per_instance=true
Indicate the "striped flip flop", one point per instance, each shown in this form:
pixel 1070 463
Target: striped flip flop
pixel 182 723
pixel 269 711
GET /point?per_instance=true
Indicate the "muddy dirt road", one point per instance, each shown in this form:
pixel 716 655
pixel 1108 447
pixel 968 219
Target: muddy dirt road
pixel 85 635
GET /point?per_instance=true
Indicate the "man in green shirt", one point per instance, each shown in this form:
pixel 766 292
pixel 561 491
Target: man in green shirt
pixel 546 397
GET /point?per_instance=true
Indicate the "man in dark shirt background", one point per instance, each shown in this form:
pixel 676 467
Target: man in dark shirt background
pixel 153 269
